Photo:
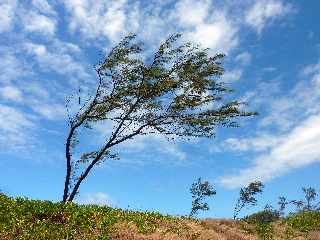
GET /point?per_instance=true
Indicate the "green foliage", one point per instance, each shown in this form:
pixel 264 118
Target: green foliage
pixel 264 216
pixel 304 221
pixel 263 221
pixel 200 190
pixel 265 231
pixel 24 219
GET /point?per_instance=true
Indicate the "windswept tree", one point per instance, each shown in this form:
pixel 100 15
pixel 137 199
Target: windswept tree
pixel 200 190
pixel 282 205
pixel 309 204
pixel 247 197
pixel 177 94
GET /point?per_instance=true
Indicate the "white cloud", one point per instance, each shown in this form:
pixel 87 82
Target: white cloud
pixel 50 111
pixel 314 71
pixel 295 136
pixel 11 93
pixel 97 18
pixel 7 8
pixel 12 120
pixel 36 90
pixel 143 143
pixel 34 22
pixel 190 12
pixel 299 148
pixel 43 7
pixel 153 21
pixel 56 59
pixel 10 66
pixel 14 127
pixel 218 35
pixel 201 23
pixel 243 58
pixel 98 198
pixel 232 76
pixel 265 11
pixel 157 143
pixel 259 143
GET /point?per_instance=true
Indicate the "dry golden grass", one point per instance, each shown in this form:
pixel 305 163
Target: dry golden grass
pixel 187 230
pixel 208 229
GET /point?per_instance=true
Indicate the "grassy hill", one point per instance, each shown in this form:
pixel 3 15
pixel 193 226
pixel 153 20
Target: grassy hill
pixel 21 218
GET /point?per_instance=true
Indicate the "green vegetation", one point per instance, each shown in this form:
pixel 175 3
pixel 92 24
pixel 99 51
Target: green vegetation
pixel 21 218
pixel 269 225
pixel 305 221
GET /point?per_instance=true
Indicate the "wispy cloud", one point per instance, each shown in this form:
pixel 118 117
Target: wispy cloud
pixel 44 7
pixel 291 143
pixel 232 76
pixel 153 144
pixel 244 58
pixel 58 60
pixel 265 11
pixel 10 66
pixel 11 93
pixel 98 198
pixel 14 127
pixel 199 21
pixel 94 19
pixel 299 148
pixel 7 8
pixel 258 143
pixel 34 22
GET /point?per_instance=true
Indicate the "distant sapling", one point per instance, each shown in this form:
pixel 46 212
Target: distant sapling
pixel 310 195
pixel 247 196
pixel 282 205
pixel 200 190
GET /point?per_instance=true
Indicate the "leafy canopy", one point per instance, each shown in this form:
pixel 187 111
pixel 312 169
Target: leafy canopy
pixel 176 94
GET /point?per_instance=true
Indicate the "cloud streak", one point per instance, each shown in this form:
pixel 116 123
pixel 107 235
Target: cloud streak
pixel 297 149
pixel 265 11
pixel 295 136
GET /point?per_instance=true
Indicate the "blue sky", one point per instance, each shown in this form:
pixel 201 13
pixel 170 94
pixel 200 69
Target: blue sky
pixel 48 49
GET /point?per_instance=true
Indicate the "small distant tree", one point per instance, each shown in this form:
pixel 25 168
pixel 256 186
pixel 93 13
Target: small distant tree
pixel 247 197
pixel 175 93
pixel 282 202
pixel 310 195
pixel 308 204
pixel 200 190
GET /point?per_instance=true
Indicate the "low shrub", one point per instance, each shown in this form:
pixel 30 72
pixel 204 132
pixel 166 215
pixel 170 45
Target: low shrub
pixel 304 221
pixel 264 216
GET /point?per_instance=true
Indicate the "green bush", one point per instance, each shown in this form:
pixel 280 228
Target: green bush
pixel 22 218
pixel 305 221
pixel 263 222
pixel 265 216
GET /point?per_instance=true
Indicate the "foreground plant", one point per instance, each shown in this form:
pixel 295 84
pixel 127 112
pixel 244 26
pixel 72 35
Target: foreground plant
pixel 176 94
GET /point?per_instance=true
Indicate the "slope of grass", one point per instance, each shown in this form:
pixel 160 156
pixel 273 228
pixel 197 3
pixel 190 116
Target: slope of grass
pixel 21 218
